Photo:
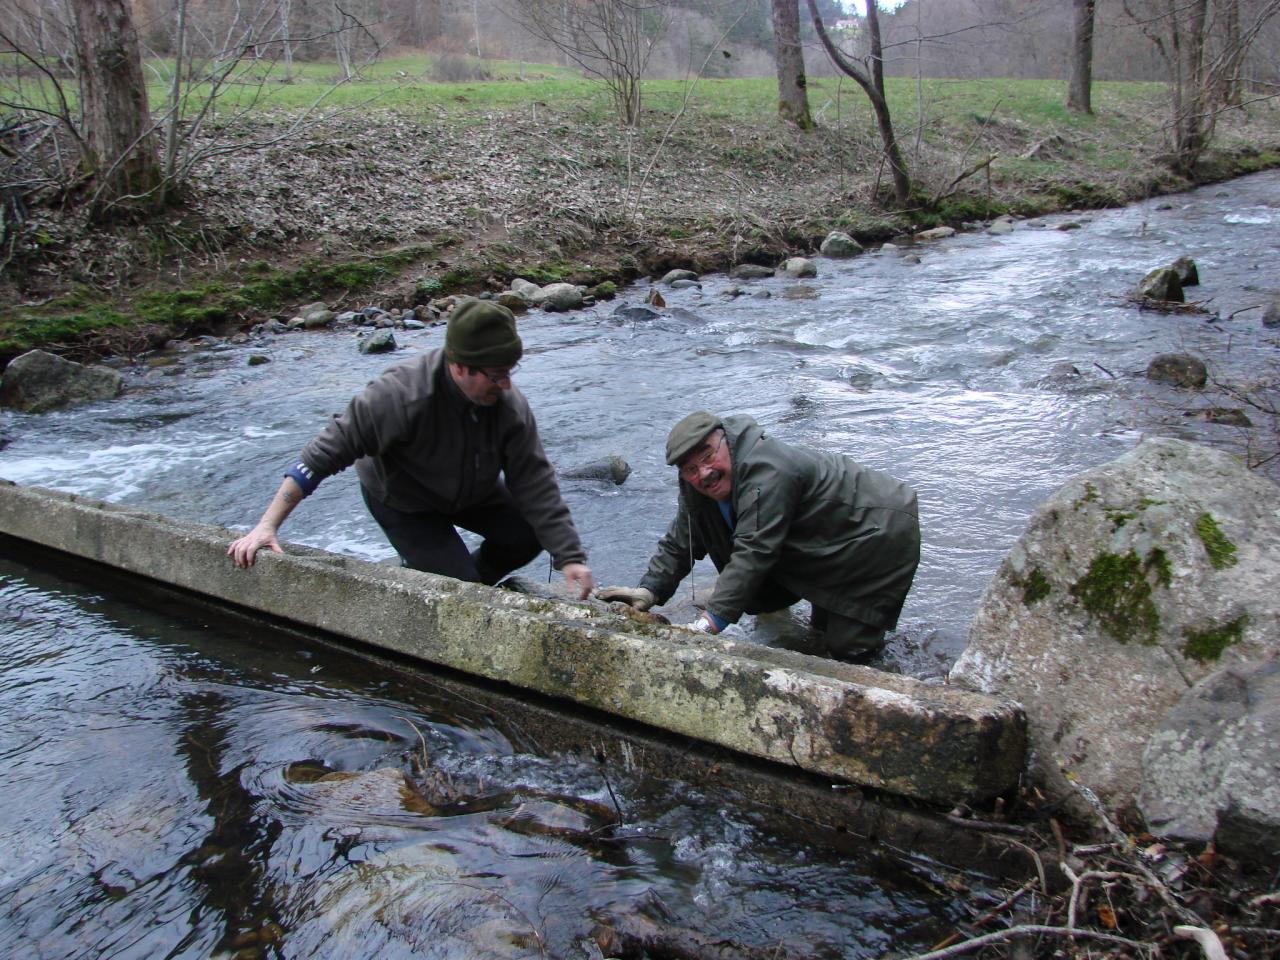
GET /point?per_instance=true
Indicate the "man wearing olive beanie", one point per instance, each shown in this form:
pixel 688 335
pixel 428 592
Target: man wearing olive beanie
pixel 442 441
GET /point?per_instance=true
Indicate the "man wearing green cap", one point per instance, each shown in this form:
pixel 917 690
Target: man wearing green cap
pixel 783 523
pixel 444 440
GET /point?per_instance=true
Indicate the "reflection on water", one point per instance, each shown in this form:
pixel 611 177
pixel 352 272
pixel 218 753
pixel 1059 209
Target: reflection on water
pixel 171 788
pixel 191 787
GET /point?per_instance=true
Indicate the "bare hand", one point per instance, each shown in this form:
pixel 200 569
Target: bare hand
pixel 638 597
pixel 245 550
pixel 579 575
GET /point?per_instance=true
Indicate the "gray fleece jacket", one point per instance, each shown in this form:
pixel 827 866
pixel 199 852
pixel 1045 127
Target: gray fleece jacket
pixel 418 444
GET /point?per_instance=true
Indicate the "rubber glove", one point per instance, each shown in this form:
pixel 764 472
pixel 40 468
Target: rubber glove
pixel 639 597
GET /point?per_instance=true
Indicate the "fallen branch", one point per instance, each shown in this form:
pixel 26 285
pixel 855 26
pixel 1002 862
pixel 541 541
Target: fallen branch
pixel 1207 939
pixel 991 914
pixel 1029 930
pixel 968 172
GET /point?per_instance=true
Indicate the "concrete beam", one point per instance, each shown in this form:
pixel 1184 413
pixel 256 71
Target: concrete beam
pixel 849 723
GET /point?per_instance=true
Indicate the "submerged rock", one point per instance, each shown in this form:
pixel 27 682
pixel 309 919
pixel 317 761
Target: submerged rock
pixel 1132 582
pixel 636 314
pixel 37 381
pixel 612 468
pixel 1179 370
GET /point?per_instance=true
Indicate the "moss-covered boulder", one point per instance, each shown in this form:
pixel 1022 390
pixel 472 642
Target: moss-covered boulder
pixel 1131 583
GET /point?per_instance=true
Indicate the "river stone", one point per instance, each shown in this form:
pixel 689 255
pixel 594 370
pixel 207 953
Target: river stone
pixel 1131 583
pixel 258 359
pixel 1161 284
pixel 1179 370
pixel 365 794
pixel 525 289
pixel 799 267
pixel 800 291
pixel 1188 273
pixel 512 301
pixel 1214 757
pixel 381 341
pixel 612 468
pixel 937 233
pixel 37 381
pixel 1271 317
pixel 751 271
pixel 671 276
pixel 636 313
pixel 839 245
pixel 558 297
pixel 1000 227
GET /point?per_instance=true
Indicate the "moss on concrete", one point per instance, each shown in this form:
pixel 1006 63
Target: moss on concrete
pixel 1205 646
pixel 1221 551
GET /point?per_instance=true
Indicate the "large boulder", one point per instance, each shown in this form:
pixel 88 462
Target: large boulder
pixel 1211 770
pixel 1134 581
pixel 36 382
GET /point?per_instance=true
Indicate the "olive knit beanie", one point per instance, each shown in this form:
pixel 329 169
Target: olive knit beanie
pixel 688 433
pixel 482 333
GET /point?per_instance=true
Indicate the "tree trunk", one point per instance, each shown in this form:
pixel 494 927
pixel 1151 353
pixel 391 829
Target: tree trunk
pixel 873 86
pixel 1191 110
pixel 113 97
pixel 1081 82
pixel 793 98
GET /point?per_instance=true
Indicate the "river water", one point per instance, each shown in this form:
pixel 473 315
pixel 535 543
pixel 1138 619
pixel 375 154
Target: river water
pixel 157 769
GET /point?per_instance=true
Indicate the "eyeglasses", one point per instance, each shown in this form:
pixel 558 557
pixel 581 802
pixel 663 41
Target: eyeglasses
pixel 496 377
pixel 693 466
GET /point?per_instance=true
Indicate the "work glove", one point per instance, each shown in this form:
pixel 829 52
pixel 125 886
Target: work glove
pixel 702 625
pixel 638 597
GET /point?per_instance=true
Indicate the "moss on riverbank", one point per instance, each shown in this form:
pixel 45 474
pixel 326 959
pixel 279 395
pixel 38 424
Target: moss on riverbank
pixel 398 206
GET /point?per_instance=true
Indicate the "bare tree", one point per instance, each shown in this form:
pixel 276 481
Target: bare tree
pixel 608 39
pixel 1202 53
pixel 1079 87
pixel 870 77
pixel 120 150
pixel 793 98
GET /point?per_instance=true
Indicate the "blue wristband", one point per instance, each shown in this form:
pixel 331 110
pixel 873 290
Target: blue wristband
pixel 720 622
pixel 304 477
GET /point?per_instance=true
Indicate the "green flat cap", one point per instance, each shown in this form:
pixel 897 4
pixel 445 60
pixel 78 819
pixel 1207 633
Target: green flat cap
pixel 482 333
pixel 688 433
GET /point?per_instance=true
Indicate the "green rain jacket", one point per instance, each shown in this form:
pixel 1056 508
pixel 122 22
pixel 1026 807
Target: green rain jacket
pixel 842 536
